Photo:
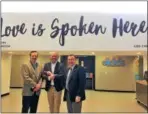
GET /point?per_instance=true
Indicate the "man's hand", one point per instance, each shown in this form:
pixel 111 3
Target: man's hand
pixel 37 87
pixel 52 76
pixel 48 73
pixel 78 99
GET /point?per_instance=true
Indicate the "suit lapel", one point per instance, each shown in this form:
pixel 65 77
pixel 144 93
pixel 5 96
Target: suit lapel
pixel 31 68
pixel 38 70
pixel 49 66
pixel 70 78
pixel 35 71
pixel 56 68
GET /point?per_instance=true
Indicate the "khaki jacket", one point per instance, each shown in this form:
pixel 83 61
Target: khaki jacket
pixel 30 78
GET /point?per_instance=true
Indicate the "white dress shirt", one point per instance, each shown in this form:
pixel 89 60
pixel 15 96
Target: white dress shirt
pixel 52 70
pixel 68 76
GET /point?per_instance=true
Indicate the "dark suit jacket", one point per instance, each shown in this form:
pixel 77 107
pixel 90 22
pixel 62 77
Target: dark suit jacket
pixel 59 76
pixel 76 84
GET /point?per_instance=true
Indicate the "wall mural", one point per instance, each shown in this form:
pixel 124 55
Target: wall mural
pixel 114 62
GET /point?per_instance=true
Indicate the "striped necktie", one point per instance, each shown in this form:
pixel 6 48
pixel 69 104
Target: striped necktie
pixel 68 78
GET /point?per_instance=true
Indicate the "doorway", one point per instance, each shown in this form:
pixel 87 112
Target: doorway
pixel 88 62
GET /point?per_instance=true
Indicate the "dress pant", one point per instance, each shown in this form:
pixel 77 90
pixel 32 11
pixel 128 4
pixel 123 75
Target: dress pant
pixel 54 100
pixel 73 107
pixel 30 102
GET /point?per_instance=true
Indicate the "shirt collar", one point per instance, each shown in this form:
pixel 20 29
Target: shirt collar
pixel 54 63
pixel 73 67
pixel 35 65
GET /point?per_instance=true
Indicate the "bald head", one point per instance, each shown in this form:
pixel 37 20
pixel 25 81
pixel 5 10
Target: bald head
pixel 54 56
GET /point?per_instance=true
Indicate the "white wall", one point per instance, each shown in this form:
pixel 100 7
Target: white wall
pixel 89 41
pixel 6 73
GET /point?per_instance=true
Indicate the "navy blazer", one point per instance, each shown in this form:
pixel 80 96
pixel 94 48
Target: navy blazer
pixel 59 76
pixel 76 84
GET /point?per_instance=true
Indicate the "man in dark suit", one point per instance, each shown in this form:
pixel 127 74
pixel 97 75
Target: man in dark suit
pixel 54 82
pixel 75 86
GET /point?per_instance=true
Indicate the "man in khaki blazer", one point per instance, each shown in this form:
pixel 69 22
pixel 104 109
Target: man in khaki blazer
pixel 32 81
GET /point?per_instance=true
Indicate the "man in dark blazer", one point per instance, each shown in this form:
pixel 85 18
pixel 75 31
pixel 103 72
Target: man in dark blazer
pixel 74 86
pixel 54 82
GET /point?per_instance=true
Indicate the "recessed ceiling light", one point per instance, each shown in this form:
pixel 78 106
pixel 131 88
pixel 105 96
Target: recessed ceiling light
pixel 139 53
pixel 10 52
pixel 92 53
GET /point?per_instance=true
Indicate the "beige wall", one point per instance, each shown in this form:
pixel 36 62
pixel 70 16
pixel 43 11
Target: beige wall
pixel 6 73
pixel 17 61
pixel 115 78
pixel 145 62
pixel 107 78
